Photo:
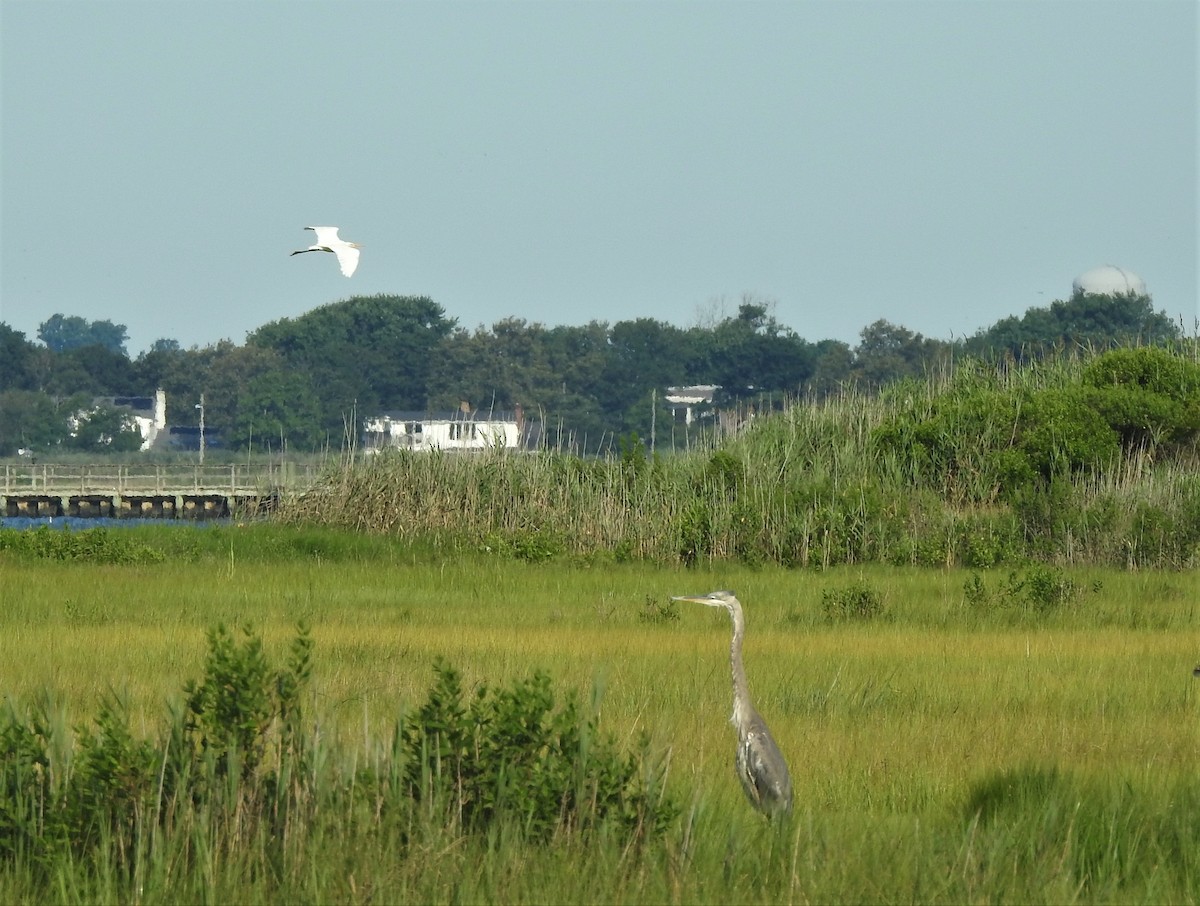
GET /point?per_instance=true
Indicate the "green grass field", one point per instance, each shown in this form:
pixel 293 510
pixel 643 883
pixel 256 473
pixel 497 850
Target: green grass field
pixel 979 739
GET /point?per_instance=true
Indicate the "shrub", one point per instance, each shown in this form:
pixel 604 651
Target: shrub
pixel 93 545
pixel 512 755
pixel 1147 395
pixel 976 593
pixel 985 541
pixel 655 611
pixel 30 825
pixel 530 546
pixel 242 704
pixel 1047 588
pixel 112 785
pixel 953 446
pixel 858 601
pixel 840 481
pixel 1150 368
pixel 1059 433
pixel 725 471
pixel 695 533
pixel 238 763
pixel 1158 535
pixel 1039 589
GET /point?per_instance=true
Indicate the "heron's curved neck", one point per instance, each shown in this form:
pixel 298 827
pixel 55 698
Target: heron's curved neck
pixel 741 691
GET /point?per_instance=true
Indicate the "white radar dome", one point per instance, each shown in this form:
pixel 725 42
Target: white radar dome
pixel 1109 281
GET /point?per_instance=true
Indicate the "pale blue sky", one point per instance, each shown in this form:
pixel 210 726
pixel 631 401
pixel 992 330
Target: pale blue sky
pixel 941 165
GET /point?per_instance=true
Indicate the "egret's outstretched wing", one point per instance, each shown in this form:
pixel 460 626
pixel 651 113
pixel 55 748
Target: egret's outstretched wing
pixel 329 241
pixel 326 236
pixel 347 256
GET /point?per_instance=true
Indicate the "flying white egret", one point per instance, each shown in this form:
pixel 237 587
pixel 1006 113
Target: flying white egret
pixel 328 241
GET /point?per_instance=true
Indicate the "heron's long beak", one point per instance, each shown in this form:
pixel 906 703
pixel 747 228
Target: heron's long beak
pixel 698 599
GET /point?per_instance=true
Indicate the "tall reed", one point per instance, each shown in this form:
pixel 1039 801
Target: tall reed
pixel 924 473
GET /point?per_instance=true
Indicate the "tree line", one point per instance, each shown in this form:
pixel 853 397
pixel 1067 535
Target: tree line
pixel 306 382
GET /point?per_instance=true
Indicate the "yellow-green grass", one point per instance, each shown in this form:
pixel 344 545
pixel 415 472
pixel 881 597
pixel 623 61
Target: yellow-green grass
pixel 900 713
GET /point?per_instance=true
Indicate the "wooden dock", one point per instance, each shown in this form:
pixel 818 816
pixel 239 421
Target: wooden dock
pixel 150 491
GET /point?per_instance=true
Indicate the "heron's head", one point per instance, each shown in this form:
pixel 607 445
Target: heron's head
pixel 712 599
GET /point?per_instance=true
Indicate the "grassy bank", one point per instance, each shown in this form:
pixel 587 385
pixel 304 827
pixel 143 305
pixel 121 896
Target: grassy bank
pixel 1023 734
pixel 1074 462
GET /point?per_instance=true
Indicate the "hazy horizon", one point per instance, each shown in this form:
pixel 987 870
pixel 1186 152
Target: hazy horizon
pixel 941 166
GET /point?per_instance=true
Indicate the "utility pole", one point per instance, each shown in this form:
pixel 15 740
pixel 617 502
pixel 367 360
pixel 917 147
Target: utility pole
pixel 201 408
pixel 653 416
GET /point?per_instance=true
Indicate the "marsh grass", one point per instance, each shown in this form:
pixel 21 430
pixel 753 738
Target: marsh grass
pixel 913 742
pixel 974 466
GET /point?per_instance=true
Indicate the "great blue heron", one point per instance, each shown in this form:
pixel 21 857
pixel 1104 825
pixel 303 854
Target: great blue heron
pixel 759 763
pixel 328 241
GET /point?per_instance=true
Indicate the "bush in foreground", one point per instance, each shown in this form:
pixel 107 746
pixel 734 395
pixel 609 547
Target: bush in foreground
pixel 240 775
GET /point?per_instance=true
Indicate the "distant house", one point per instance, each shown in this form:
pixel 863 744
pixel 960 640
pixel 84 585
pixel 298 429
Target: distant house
pixel 463 429
pixel 186 439
pixel 148 412
pixel 692 404
pixel 710 405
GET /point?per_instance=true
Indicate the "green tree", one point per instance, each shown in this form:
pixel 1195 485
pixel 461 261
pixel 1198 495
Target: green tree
pixel 752 352
pixel 64 375
pixel 494 368
pixel 165 365
pixel 31 420
pixel 1059 433
pixel 833 368
pixel 643 354
pixel 460 371
pixel 254 398
pixel 887 352
pixel 97 370
pixel 576 360
pixel 364 354
pixel 111 336
pixel 60 333
pixel 16 360
pixel 1147 395
pixel 104 430
pixel 1085 321
pixel 551 374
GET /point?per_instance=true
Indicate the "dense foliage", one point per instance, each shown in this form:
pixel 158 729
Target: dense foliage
pixel 1084 462
pixel 241 770
pixel 61 333
pixel 305 383
pixel 96 545
pixel 1084 321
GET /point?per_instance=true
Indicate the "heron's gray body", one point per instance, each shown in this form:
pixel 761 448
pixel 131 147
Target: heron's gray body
pixel 762 769
pixel 760 765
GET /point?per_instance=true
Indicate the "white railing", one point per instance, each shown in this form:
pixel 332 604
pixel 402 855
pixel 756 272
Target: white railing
pixel 234 479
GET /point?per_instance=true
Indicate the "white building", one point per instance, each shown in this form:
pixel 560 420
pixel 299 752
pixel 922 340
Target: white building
pixel 149 413
pixel 464 429
pixel 688 404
